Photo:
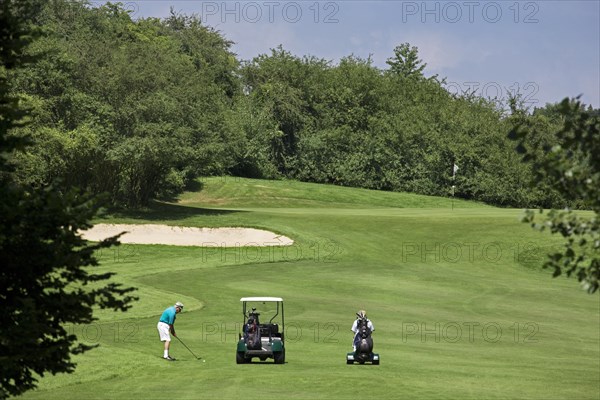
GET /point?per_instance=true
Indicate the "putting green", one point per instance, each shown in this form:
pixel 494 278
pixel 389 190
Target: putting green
pixel 460 307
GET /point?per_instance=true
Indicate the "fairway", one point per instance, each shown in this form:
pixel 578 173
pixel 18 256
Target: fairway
pixel 460 305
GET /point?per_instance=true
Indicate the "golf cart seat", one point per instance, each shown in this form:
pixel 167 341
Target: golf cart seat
pixel 270 330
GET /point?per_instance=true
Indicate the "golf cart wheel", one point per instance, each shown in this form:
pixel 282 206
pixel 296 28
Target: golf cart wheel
pixel 349 362
pixel 279 356
pixel 376 362
pixel 240 358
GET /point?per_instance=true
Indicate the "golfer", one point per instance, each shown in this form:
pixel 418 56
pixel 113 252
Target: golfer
pixel 362 314
pixel 166 327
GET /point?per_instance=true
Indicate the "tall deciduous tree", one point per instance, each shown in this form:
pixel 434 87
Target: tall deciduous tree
pixel 134 108
pixel 43 256
pixel 406 62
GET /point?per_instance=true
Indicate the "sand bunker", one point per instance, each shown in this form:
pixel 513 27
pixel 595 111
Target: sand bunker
pixel 185 236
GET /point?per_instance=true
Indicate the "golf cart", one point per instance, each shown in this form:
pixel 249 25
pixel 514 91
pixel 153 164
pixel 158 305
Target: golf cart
pixel 262 333
pixel 363 343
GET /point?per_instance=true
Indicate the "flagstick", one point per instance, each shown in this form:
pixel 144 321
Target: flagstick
pixel 454 169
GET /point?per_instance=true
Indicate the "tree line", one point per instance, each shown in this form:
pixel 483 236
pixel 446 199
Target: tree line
pixel 140 108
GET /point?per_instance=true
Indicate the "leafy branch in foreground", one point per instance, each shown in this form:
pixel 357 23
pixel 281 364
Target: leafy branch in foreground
pixel 573 168
pixel 46 279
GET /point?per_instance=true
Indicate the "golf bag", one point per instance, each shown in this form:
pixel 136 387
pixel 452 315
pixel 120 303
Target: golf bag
pixel 252 332
pixel 363 341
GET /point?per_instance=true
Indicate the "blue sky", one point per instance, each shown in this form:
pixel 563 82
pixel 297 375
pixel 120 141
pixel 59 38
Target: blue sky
pixel 544 49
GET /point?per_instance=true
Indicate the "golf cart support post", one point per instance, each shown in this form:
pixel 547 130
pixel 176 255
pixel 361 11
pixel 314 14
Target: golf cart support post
pixel 262 336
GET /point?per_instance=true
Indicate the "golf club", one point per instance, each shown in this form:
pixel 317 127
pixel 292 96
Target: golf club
pixel 197 358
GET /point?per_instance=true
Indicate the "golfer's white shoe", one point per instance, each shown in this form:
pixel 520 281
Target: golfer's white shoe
pixel 169 358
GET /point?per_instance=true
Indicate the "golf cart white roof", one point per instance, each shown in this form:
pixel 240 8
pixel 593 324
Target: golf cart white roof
pixel 261 299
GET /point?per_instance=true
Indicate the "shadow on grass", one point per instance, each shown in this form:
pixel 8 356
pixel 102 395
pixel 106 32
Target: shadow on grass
pixel 266 362
pixel 192 186
pixel 160 211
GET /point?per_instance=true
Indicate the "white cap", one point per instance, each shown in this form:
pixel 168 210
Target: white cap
pixel 179 304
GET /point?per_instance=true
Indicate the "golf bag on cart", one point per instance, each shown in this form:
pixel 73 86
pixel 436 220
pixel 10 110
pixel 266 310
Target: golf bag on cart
pixel 363 341
pixel 252 331
pixel 363 345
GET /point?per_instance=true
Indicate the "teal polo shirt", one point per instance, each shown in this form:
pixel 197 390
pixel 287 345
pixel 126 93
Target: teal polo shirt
pixel 168 316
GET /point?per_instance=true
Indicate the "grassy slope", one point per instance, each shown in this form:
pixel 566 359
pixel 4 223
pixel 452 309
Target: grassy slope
pixel 240 192
pixel 458 310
